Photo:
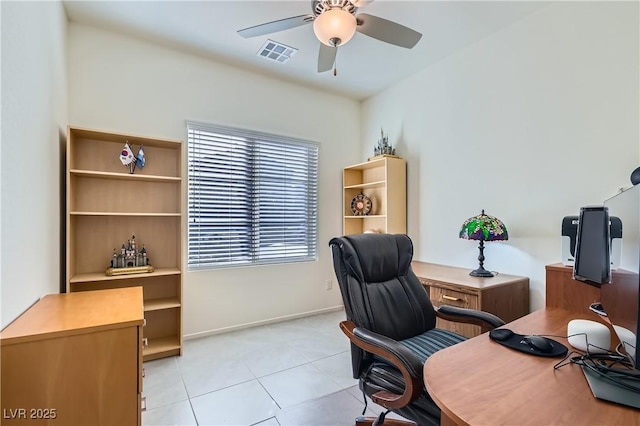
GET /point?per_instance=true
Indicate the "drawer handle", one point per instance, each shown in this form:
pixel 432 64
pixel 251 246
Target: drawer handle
pixel 455 299
pixel 145 342
pixel 144 322
pixel 143 403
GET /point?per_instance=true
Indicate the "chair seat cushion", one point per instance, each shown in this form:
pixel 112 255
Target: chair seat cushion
pixel 426 344
pixel 384 374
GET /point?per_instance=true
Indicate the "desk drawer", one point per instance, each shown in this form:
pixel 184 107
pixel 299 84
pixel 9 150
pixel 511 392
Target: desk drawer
pixel 444 296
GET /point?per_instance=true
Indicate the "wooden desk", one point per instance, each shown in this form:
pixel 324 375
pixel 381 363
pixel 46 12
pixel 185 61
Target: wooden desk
pixel 506 296
pixel 479 382
pixel 74 359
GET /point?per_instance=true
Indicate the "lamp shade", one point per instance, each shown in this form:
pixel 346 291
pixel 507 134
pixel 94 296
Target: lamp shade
pixel 335 27
pixel 484 227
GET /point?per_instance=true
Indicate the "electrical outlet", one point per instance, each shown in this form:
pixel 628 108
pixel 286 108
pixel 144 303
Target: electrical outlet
pixel 329 284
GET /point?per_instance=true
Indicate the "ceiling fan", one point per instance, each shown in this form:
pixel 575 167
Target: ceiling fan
pixel 334 23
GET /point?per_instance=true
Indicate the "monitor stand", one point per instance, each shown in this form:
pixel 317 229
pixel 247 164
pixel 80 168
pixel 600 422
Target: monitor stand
pixel 605 389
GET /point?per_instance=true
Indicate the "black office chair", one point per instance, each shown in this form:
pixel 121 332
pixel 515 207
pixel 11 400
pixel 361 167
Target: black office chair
pixel 391 324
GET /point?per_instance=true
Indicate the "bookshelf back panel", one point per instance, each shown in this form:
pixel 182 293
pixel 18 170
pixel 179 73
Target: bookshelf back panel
pixel 352 177
pixel 93 239
pixel 104 155
pixel 374 174
pixel 363 224
pixel 352 226
pixel 121 196
pixel 163 287
pixel 153 287
pixel 161 323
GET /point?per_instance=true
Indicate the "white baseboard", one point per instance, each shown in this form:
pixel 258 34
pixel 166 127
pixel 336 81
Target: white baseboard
pixel 259 323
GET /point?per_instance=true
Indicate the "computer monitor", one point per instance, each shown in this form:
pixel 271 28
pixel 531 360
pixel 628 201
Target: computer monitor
pixel 616 377
pixel 593 246
pixel 620 298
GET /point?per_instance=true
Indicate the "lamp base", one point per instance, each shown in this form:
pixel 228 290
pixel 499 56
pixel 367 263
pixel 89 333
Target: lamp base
pixel 481 272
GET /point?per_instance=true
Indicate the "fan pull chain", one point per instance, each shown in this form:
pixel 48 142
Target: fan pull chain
pixel 335 67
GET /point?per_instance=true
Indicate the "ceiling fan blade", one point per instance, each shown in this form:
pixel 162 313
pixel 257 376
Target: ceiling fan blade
pixel 326 57
pixel 387 31
pixel 275 26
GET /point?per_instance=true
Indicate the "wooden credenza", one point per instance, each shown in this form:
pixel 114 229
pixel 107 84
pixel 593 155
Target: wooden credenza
pixel 74 359
pixel 563 292
pixel 506 296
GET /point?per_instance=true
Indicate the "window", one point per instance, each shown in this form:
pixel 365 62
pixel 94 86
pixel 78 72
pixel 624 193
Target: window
pixel 252 198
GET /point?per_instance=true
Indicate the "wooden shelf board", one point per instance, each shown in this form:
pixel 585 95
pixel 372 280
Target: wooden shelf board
pixel 159 304
pixel 378 162
pixel 81 132
pixel 159 346
pixel 130 214
pixel 100 276
pixel 123 176
pixel 367 185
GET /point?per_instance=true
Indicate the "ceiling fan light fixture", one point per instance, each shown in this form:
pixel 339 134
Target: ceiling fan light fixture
pixel 335 27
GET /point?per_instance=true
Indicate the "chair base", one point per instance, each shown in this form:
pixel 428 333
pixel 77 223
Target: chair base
pixel 369 421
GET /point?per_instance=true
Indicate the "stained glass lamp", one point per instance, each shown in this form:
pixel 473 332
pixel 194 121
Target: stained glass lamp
pixel 483 228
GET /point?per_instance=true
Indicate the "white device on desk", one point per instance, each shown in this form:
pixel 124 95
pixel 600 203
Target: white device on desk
pixel 589 336
pixel 570 230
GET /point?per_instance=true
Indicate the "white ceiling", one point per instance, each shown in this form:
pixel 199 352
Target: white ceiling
pixel 365 65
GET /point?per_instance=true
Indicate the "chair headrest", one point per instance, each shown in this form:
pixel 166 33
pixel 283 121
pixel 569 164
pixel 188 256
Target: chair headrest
pixel 376 257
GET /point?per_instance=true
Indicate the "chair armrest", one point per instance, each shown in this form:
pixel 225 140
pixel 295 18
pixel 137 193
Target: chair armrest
pixel 469 316
pixel 400 356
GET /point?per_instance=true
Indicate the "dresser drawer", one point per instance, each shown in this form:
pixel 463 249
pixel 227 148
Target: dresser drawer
pixel 506 296
pixel 444 296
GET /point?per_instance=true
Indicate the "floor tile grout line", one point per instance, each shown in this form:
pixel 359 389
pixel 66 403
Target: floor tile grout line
pixel 186 391
pixel 193 412
pixel 274 401
pixel 222 388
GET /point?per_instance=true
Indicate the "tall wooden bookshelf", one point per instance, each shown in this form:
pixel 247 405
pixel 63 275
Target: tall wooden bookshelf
pixel 107 205
pixel 384 181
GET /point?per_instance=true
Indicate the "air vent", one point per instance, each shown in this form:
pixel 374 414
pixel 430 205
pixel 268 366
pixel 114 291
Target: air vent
pixel 275 51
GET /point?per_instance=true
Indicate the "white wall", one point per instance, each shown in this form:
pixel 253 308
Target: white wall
pixel 34 119
pixel 121 84
pixel 530 124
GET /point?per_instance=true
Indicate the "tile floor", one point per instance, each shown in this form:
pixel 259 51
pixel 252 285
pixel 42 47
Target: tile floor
pixel 296 372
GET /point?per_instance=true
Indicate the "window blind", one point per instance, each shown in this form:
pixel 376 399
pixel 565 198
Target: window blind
pixel 252 198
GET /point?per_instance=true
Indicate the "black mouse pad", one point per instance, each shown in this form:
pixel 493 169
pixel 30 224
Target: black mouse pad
pixel 512 340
